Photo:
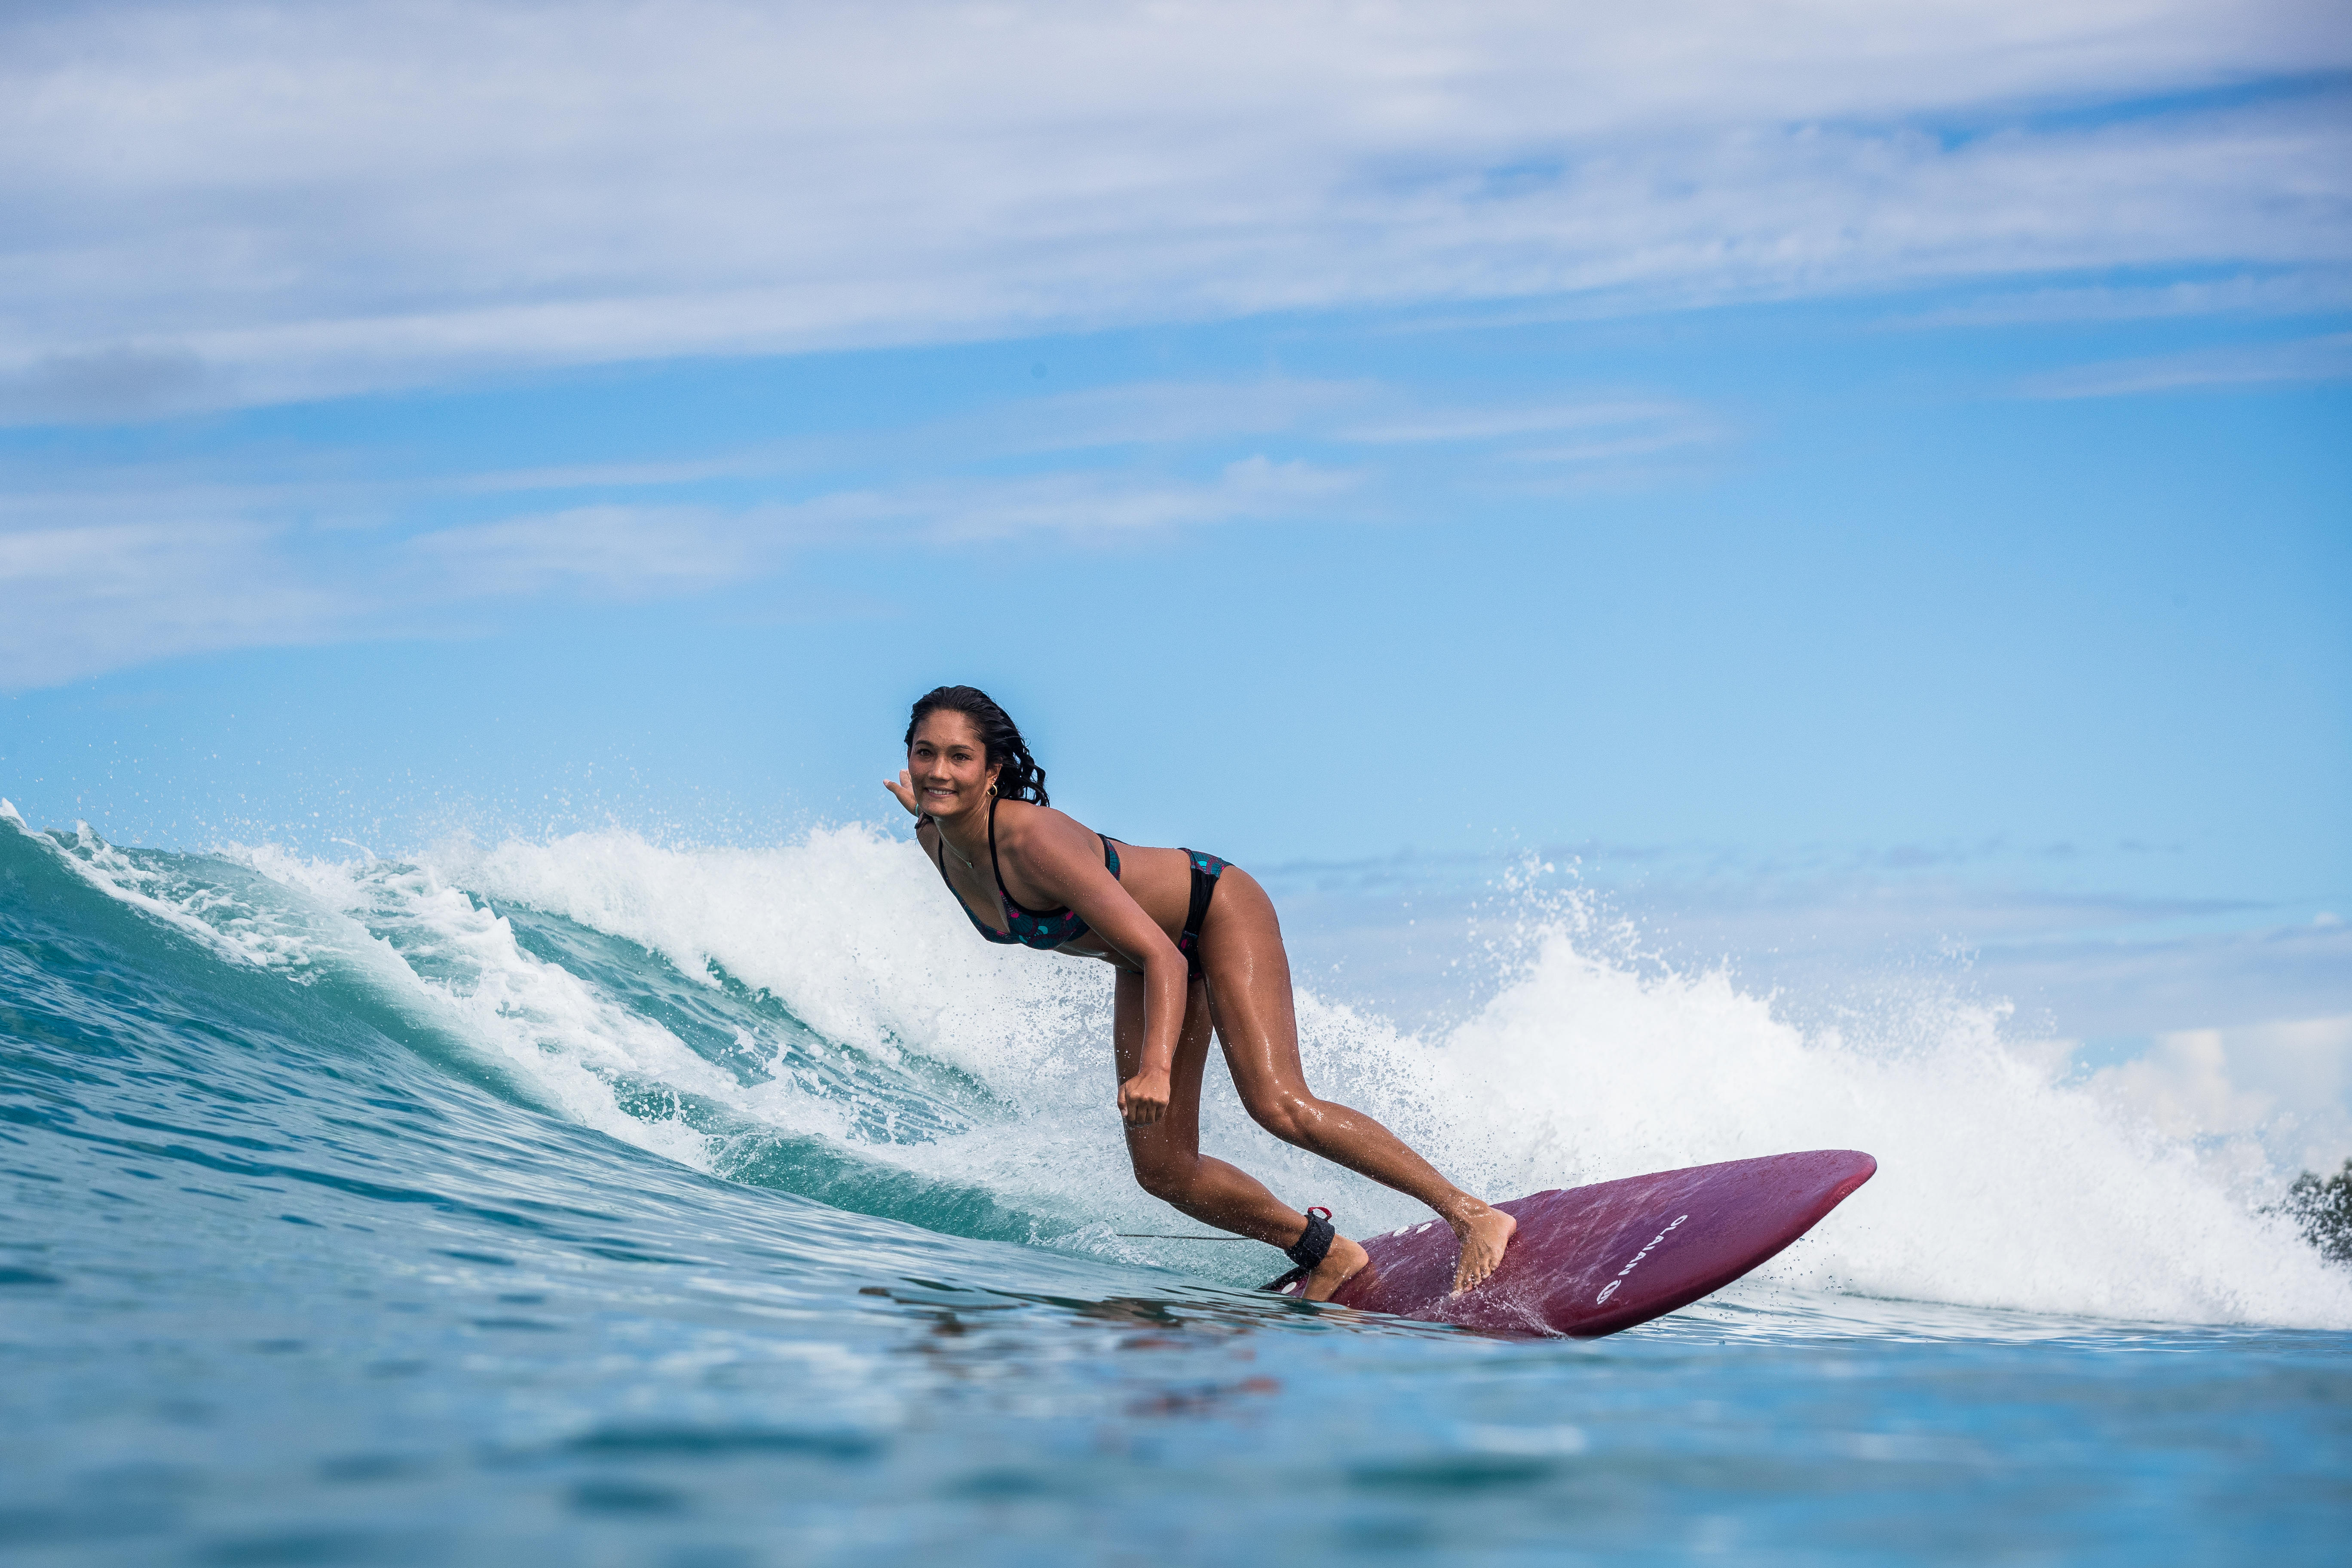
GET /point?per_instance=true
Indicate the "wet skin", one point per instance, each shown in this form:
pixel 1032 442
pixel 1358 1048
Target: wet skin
pixel 1162 1020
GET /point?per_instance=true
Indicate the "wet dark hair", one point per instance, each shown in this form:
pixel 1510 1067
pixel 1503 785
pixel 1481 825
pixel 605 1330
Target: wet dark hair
pixel 1000 737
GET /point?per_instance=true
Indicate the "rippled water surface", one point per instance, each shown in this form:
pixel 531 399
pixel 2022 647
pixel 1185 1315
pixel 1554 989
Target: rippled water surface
pixel 499 1211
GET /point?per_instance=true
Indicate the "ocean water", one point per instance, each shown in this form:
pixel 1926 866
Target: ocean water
pixel 591 1202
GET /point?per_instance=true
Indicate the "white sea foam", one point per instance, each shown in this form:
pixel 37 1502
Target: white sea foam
pixel 1997 1186
pixel 2000 1185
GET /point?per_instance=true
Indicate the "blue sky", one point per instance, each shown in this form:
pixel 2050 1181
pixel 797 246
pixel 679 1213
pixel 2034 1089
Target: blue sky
pixel 1876 472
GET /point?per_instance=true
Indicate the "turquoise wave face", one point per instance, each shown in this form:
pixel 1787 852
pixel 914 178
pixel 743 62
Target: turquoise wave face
pixel 381 1214
pixel 305 989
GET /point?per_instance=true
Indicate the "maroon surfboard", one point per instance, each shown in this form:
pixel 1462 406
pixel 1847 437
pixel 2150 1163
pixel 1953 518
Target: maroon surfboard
pixel 1588 1261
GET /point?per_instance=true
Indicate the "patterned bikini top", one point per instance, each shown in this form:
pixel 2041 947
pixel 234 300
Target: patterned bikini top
pixel 1041 929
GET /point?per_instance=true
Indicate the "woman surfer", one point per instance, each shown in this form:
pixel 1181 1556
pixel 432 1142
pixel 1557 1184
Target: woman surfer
pixel 1196 946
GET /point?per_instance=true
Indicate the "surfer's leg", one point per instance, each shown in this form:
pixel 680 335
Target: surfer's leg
pixel 1167 1155
pixel 1249 990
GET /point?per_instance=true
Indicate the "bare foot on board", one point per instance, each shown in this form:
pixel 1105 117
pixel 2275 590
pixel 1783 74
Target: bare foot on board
pixel 1338 1266
pixel 1483 1235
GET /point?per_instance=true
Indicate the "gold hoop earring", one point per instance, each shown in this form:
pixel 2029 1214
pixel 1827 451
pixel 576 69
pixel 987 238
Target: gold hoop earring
pixel 992 792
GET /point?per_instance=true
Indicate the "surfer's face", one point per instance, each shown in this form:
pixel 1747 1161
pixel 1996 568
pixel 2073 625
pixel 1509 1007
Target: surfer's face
pixel 948 763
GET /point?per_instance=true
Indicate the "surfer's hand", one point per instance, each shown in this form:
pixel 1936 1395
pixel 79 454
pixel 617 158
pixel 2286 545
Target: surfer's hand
pixel 903 786
pixel 1143 1099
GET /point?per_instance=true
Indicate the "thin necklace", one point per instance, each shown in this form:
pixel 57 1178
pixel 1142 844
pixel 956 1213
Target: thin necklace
pixel 966 861
pixel 963 859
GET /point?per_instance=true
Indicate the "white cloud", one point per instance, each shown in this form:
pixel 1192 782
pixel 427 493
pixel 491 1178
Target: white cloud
pixel 634 551
pixel 609 552
pixel 2306 291
pixel 78 600
pixel 75 600
pixel 1348 413
pixel 2182 1086
pixel 2285 1080
pixel 2261 364
pixel 1159 413
pixel 216 204
pixel 1089 506
pixel 1494 424
pixel 112 563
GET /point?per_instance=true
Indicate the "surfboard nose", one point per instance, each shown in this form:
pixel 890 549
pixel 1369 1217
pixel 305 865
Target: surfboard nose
pixel 1865 1167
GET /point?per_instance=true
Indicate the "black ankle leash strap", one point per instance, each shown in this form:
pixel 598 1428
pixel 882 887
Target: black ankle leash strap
pixel 1308 1251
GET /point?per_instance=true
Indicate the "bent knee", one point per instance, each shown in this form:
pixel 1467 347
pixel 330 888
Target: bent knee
pixel 1165 1180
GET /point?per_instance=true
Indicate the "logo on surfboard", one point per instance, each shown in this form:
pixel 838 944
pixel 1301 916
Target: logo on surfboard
pixel 1611 1289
